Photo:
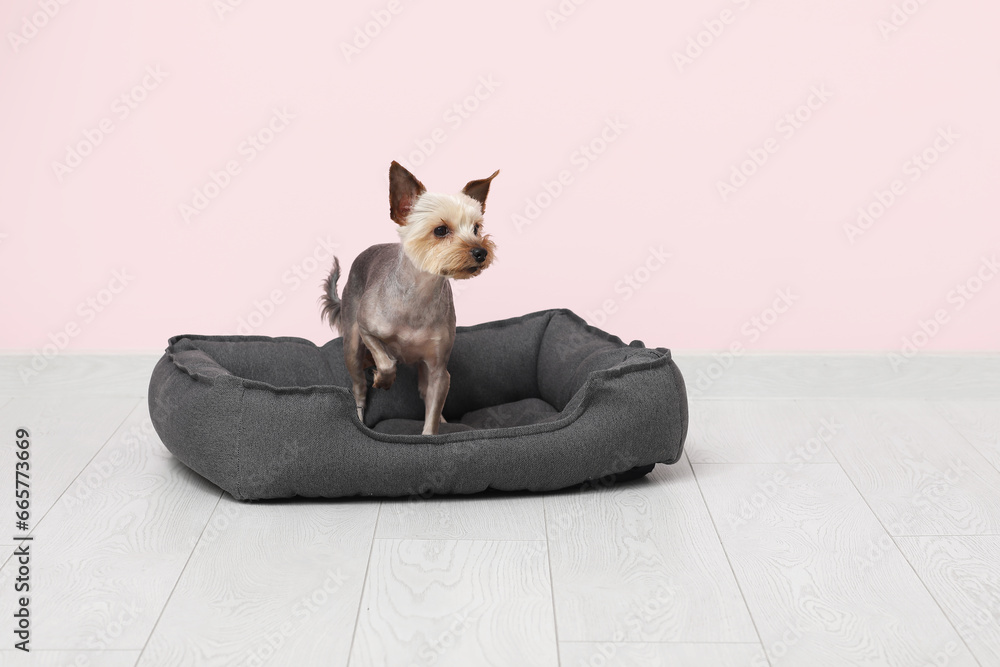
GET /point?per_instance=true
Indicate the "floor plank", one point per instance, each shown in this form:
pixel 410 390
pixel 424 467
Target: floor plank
pixel 15 658
pixel 107 556
pixel 492 517
pixel 65 434
pixel 594 654
pixel 642 562
pixel 859 375
pixel 745 431
pixel 77 374
pixel 978 422
pixel 269 584
pixel 918 474
pixel 456 602
pixel 825 584
pixel 963 574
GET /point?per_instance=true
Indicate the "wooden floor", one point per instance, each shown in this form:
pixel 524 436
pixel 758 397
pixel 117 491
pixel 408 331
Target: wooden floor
pixel 827 511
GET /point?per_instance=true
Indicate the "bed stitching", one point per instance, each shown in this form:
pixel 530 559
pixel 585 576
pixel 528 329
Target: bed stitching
pixel 239 440
pixel 538 356
pixel 674 372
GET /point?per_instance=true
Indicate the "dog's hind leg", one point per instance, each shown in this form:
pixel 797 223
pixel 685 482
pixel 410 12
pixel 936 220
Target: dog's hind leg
pixel 385 365
pixel 354 358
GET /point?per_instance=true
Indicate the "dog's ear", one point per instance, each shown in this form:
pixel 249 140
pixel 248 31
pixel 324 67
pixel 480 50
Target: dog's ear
pixel 404 188
pixel 479 189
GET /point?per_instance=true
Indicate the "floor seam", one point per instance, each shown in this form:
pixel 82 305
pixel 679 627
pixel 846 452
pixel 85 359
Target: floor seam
pixel 729 562
pixel 364 582
pixel 886 531
pixel 83 468
pixel 935 403
pixel 180 576
pixel 552 583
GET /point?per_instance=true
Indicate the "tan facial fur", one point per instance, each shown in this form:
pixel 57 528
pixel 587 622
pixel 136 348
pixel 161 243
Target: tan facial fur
pixel 450 255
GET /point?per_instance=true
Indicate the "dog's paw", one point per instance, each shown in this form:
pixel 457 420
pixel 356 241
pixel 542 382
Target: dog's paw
pixel 384 380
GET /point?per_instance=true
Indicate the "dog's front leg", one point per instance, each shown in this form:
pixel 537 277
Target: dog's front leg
pixel 438 383
pixel 385 364
pixel 422 385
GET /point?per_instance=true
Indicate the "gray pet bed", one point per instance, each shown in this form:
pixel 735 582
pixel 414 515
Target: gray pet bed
pixel 538 403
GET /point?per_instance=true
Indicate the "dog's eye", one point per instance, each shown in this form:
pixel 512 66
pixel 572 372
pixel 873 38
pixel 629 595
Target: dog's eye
pixel 475 229
pixel 441 231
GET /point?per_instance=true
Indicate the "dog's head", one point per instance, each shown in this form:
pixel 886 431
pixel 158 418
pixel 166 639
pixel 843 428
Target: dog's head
pixel 441 234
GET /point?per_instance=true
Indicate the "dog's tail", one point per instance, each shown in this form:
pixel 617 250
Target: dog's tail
pixel 330 300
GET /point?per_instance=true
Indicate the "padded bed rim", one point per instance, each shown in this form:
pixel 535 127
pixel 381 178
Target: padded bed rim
pixel 659 357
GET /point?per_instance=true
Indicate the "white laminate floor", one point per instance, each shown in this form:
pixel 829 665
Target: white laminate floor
pixel 827 511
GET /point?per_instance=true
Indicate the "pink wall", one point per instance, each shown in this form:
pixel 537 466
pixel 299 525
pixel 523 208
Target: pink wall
pixel 161 96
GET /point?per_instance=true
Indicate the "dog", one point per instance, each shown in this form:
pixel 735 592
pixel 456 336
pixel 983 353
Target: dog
pixel 397 305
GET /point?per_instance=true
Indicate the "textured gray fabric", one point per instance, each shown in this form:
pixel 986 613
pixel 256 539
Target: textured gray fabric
pixel 538 402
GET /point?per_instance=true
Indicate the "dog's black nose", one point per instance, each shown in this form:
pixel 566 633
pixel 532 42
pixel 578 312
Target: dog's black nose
pixel 479 254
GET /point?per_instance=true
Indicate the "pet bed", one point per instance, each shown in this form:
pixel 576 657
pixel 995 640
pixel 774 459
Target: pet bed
pixel 539 402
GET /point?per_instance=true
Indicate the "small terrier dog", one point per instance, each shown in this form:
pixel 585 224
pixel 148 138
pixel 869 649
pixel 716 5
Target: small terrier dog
pixel 397 304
